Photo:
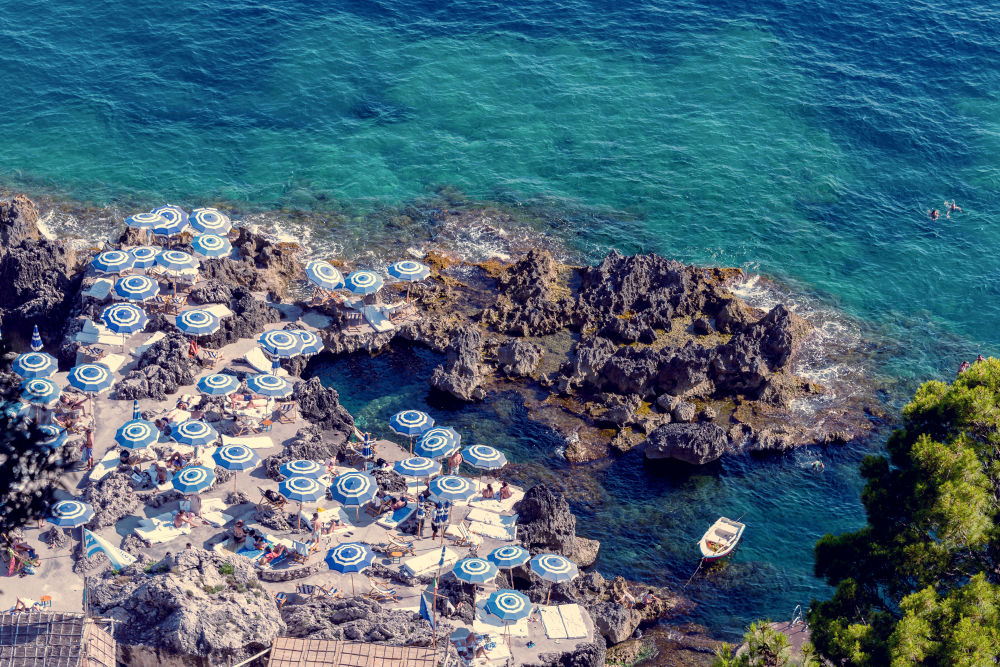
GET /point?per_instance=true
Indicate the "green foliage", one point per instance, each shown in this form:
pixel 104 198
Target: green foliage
pixel 764 647
pixel 227 568
pixel 918 584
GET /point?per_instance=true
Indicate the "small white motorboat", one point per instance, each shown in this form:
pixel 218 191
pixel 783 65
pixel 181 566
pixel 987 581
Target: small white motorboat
pixel 721 539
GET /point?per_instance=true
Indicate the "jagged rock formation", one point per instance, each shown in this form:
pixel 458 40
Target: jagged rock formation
pixel 462 373
pixel 112 498
pixel 691 443
pixel 359 619
pixel 321 406
pixel 161 370
pixel 546 524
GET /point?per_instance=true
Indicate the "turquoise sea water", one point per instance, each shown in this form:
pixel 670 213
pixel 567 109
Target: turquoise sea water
pixel 800 140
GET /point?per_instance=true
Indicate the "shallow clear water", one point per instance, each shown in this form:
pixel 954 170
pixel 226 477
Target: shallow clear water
pixel 800 140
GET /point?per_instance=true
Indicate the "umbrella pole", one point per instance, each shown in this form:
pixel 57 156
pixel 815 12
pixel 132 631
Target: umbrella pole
pixel 548 597
pixel 353 592
pixel 298 524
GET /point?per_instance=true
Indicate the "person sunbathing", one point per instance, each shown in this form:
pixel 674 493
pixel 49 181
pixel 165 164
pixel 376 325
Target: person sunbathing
pixel 161 475
pixel 177 460
pixel 488 493
pixel 397 504
pixel 239 533
pixel 183 517
pixel 273 552
pixel 23 604
pixel 505 491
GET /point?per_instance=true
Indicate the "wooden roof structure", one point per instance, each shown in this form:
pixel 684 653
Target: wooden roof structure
pixel 54 639
pixel 293 652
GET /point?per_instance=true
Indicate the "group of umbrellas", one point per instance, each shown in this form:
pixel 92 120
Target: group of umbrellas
pixel 327 277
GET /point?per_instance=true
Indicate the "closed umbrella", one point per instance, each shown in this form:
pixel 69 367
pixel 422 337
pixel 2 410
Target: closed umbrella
pixel 324 275
pixel 509 606
pixel 302 468
pixel 210 221
pixel 437 442
pixel 211 245
pixel 349 558
pixel 218 384
pixel 508 557
pixel 144 256
pixel 36 340
pixel 195 433
pixel 363 282
pixel 194 479
pixel 302 489
pixel 137 434
pixel 113 261
pixel 197 322
pixel 354 488
pixel 411 423
pixel 474 571
pixel 70 514
pixel 281 343
pixel 236 458
pixel 136 288
pixel 32 365
pixel 452 487
pixel 125 319
pixel 417 466
pixel 554 568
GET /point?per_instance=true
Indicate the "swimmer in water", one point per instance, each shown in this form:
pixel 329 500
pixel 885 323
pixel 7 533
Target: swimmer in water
pixel 934 214
pixel 952 208
pixel 818 465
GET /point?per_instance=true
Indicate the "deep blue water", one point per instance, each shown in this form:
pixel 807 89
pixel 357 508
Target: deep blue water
pixel 801 140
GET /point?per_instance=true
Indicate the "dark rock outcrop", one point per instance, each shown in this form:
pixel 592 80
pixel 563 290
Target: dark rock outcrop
pixel 519 358
pixel 112 498
pixel 546 524
pixel 462 372
pixel 529 302
pixel 590 654
pixel 691 443
pixel 309 444
pixel 358 619
pixel 321 406
pixel 18 221
pixel 161 370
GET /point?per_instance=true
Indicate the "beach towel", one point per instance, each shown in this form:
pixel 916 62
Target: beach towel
pixel 427 563
pixel 485 516
pixel 573 621
pixel 504 533
pixel 113 361
pixel 552 622
pixel 160 529
pixel 397 517
pixel 218 310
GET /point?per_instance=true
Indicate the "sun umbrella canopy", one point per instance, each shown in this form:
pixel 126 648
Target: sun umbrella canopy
pixel 417 466
pixel 144 256
pixel 453 488
pixel 176 260
pixel 236 457
pixel 269 385
pixel 311 343
pixel 136 288
pixel 210 221
pixel 302 468
pixel 113 261
pixel 36 340
pixel 197 322
pixel 509 556
pixel 218 384
pixel 484 456
pixel 194 432
pixel 211 245
pixel 175 219
pixel 349 557
pixel 411 422
pixel 409 270
pixel 353 488
pixel 71 513
pixel 438 441
pixel 363 282
pixel 324 274
pixel 91 378
pixel 303 489
pixel 34 365
pixel 145 220
pixel 508 605
pixel 40 391
pixel 136 434
pixel 194 479
pixel 475 570
pixel 281 343
pixel 53 436
pixel 554 568
pixel 124 318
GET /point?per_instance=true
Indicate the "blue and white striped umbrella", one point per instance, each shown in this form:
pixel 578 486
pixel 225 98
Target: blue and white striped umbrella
pixel 175 219
pixel 311 343
pixel 53 436
pixel 136 288
pixel 475 570
pixel 509 556
pixel 302 489
pixel 438 441
pixel 554 568
pixel 210 221
pixel 91 378
pixel 35 365
pixel 353 488
pixel 36 340
pixel 137 434
pixel 349 557
pixel 197 322
pixel 71 513
pixel 40 391
pixel 236 457
pixel 211 245
pixel 124 318
pixel 218 384
pixel 194 479
pixel 145 256
pixel 324 274
pixel 508 605
pixel 411 422
pixel 302 468
pixel 194 432
pixel 113 261
pixel 272 386
pixel 484 456
pixel 176 260
pixel 281 343
pixel 363 282
pixel 452 487
pixel 145 220
pixel 409 270
pixel 417 466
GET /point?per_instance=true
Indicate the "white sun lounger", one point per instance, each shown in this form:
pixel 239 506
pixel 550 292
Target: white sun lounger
pixel 108 463
pixel 252 441
pixel 573 621
pixel 377 319
pixel 504 533
pixel 259 361
pixel 485 516
pixel 396 518
pixel 552 622
pixel 97 333
pixel 218 310
pixel 113 361
pixel 100 290
pixel 160 529
pixel 427 563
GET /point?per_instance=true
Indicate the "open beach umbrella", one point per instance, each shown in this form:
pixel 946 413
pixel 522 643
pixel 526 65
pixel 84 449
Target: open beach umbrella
pixel 194 479
pixel 36 340
pixel 174 220
pixel 484 456
pixel 54 436
pixel 136 288
pixel 411 423
pixel 354 488
pixel 554 568
pixel 272 386
pixel 302 489
pixel 144 220
pixel 113 261
pixel 32 365
pixel 437 442
pixel 124 319
pixel 70 514
pixel 40 391
pixel 349 558
pixel 508 557
pixel 417 466
pixel 236 458
pixel 409 270
pixel 324 275
pixel 509 606
pixel 194 432
pixel 302 468
pixel 311 343
pixel 144 256
pixel 137 434
pixel 91 378
pixel 211 245
pixel 218 384
pixel 210 221
pixel 281 343
pixel 452 487
pixel 176 260
pixel 474 571
pixel 197 322
pixel 363 282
